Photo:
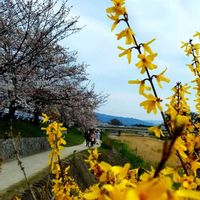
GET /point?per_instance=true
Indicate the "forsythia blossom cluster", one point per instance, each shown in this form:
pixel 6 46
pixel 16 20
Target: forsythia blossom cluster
pixel 146 57
pixel 183 133
pixel 63 185
pixel 123 183
pixel 117 182
pixel 192 49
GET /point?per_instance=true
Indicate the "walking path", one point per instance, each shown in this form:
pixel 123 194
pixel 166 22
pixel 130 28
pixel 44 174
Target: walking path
pixel 11 174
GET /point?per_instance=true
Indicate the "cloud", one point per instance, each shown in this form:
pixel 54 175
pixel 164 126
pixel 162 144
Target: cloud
pixel 169 21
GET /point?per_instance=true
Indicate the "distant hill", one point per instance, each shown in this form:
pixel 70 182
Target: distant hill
pixel 154 122
pixel 126 121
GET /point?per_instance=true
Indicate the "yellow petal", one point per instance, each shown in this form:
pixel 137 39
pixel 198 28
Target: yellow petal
pixel 188 194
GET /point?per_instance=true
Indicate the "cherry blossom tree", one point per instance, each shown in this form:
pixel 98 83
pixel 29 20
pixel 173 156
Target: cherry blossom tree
pixel 29 32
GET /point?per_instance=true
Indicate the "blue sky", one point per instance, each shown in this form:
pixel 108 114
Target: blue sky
pixel 169 21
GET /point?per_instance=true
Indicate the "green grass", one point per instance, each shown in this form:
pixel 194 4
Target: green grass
pixel 24 128
pixel 125 151
pixel 28 129
pixel 73 137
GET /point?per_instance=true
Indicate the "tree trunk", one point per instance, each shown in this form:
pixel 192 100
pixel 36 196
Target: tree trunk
pixel 11 112
pixel 36 117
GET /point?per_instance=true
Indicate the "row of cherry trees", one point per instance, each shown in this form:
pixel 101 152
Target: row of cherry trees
pixel 36 72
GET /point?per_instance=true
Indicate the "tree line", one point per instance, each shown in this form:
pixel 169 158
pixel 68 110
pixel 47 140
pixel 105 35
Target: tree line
pixel 37 74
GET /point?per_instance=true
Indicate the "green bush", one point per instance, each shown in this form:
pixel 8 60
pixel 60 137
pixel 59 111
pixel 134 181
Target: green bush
pixel 24 128
pixel 73 137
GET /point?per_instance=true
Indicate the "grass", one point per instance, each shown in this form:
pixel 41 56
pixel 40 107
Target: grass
pixel 28 129
pixel 126 152
pixel 149 149
pixel 25 128
pixel 73 137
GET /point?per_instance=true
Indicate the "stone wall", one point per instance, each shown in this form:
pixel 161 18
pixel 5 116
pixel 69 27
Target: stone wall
pixel 25 147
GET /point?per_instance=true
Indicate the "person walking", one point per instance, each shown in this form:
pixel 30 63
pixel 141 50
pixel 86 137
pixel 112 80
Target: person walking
pixel 92 137
pixel 87 137
pixel 98 135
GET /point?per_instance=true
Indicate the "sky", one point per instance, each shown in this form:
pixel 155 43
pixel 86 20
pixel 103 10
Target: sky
pixel 169 21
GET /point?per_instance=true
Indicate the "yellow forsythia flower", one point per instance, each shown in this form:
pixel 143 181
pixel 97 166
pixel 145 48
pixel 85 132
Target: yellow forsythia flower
pixel 155 189
pixel 93 192
pixel 156 130
pixel 195 165
pixel 160 78
pixel 146 62
pixel 45 118
pixel 126 52
pixel 181 122
pixel 146 46
pixel 179 145
pixel 197 34
pixel 115 19
pixel 189 194
pixel 151 104
pixel 142 86
pixel 189 182
pixel 15 198
pixel 127 34
pixel 118 9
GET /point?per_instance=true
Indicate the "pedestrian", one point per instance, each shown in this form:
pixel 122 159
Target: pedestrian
pixel 87 137
pixel 92 137
pixel 98 135
pixel 101 134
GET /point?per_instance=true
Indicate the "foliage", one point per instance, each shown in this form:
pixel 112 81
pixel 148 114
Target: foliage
pixel 115 122
pixel 25 128
pixel 195 117
pixel 73 137
pixel 125 151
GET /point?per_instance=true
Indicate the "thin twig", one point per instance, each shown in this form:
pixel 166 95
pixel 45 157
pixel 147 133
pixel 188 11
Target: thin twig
pixel 148 75
pixel 20 162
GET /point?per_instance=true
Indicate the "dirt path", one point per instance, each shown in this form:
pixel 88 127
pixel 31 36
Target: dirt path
pixel 11 174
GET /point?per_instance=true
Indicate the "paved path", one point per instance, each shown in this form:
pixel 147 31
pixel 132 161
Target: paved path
pixel 11 174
